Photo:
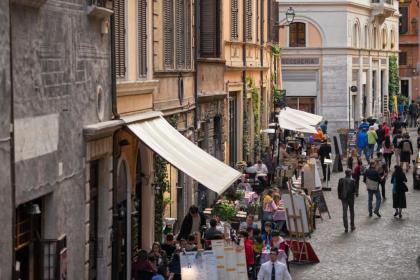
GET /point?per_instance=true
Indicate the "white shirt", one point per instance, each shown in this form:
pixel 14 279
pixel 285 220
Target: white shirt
pixel 261 169
pixel 281 271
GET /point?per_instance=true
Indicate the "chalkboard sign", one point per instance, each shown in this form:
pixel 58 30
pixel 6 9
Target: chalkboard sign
pixel 319 200
pixel 351 137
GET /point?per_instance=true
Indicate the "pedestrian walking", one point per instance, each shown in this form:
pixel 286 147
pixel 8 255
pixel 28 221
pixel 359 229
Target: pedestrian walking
pixel 324 127
pixel 396 142
pixel 413 111
pixel 371 180
pixel 362 143
pixel 406 148
pixel 397 125
pixel 273 269
pixel 388 150
pixel 399 188
pixel 346 191
pixel 382 169
pixel 364 125
pixel 324 152
pixel 386 128
pixel 193 222
pixel 372 138
pixel 357 172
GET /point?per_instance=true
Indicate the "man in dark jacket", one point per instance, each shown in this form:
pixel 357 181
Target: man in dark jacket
pixel 193 222
pixel 346 190
pixel 381 137
pixel 371 180
pixel 413 110
pixel 324 152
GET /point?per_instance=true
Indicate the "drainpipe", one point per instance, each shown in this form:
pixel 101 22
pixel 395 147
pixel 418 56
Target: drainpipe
pixel 244 99
pixel 115 154
pixel 196 55
pixel 12 146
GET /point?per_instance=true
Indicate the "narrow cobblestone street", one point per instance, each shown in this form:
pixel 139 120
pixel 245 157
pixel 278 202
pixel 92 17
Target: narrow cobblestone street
pixel 380 248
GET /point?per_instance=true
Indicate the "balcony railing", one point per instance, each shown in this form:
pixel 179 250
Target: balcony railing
pixel 389 2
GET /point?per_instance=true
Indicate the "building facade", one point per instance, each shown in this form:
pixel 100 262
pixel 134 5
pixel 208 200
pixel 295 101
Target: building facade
pixel 249 33
pixel 333 45
pixel 58 205
pixel 409 49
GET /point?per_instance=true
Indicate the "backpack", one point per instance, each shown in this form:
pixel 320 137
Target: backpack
pixel 406 147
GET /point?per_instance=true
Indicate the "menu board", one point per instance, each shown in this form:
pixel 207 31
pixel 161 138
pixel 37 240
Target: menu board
pixel 199 265
pixel 231 260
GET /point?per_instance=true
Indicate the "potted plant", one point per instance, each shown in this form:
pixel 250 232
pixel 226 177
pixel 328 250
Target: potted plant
pixel 226 210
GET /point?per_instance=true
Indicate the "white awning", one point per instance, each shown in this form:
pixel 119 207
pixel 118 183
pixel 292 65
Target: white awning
pixel 166 141
pixel 297 120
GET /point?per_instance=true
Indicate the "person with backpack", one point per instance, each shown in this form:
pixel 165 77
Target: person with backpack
pixel 362 143
pixel 406 151
pixel 372 138
pixel 388 150
pixel 357 172
pixel 371 179
pixel 396 142
pixel 346 190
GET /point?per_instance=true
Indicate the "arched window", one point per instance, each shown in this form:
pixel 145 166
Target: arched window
pixel 297 34
pixel 366 37
pixel 375 38
pixel 392 39
pixel 356 36
pixel 384 38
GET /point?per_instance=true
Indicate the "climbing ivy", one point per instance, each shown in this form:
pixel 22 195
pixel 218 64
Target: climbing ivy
pixel 161 185
pixel 256 108
pixel 394 81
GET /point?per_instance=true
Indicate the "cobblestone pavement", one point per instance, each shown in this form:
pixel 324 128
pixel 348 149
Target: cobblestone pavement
pixel 380 248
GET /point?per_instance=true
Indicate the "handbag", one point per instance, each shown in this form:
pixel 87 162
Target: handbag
pixel 267 216
pixel 404 187
pixel 371 185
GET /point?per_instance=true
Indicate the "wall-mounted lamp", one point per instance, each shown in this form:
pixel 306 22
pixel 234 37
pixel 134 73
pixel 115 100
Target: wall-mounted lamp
pixel 290 15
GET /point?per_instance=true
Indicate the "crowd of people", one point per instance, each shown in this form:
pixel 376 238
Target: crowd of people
pixel 378 143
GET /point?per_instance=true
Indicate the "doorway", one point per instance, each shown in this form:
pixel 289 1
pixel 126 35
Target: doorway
pixel 405 87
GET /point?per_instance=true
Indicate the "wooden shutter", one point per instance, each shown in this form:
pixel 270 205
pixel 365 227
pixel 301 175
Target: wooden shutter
pixel 142 37
pixel 168 29
pixel 187 34
pixel 248 20
pixel 274 23
pixel 208 28
pixel 234 19
pixel 119 22
pixel 180 33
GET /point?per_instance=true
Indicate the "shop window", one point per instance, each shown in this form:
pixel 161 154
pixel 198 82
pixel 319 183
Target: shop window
pixel 297 34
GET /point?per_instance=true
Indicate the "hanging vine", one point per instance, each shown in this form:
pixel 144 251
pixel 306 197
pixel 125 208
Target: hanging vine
pixel 161 185
pixel 256 109
pixel 394 81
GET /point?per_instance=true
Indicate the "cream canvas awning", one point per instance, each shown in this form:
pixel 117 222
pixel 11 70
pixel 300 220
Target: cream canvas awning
pixel 297 120
pixel 166 141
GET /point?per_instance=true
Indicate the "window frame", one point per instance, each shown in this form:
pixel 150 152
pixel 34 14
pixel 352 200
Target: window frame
pixel 125 74
pixel 402 58
pixel 139 74
pixel 298 45
pixel 401 20
pixel 216 52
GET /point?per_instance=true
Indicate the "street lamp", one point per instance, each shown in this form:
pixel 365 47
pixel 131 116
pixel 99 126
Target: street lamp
pixel 290 15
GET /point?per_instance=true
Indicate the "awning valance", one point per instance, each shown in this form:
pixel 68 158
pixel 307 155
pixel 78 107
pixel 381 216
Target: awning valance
pixel 166 141
pixel 297 120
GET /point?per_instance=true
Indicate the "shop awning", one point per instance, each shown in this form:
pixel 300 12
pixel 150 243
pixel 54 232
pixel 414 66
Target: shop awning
pixel 297 120
pixel 166 141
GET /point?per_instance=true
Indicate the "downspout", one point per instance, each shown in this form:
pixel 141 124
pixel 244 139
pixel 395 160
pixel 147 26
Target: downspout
pixel 244 99
pixel 12 146
pixel 197 48
pixel 115 153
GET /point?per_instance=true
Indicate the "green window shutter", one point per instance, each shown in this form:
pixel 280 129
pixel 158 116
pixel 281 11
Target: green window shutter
pixel 142 37
pixel 119 22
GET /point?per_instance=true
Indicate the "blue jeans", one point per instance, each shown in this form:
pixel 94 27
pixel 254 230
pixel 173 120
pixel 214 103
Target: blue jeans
pixel 364 150
pixel 377 198
pixel 371 150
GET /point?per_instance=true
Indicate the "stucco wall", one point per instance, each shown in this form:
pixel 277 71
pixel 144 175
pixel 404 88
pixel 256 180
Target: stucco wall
pixel 60 57
pixel 6 248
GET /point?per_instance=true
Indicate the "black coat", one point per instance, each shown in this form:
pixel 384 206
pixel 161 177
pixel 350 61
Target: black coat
pixel 398 198
pixel 187 226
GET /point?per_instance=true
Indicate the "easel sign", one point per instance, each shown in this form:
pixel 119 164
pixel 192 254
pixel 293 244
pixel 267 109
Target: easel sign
pixel 199 265
pixel 319 200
